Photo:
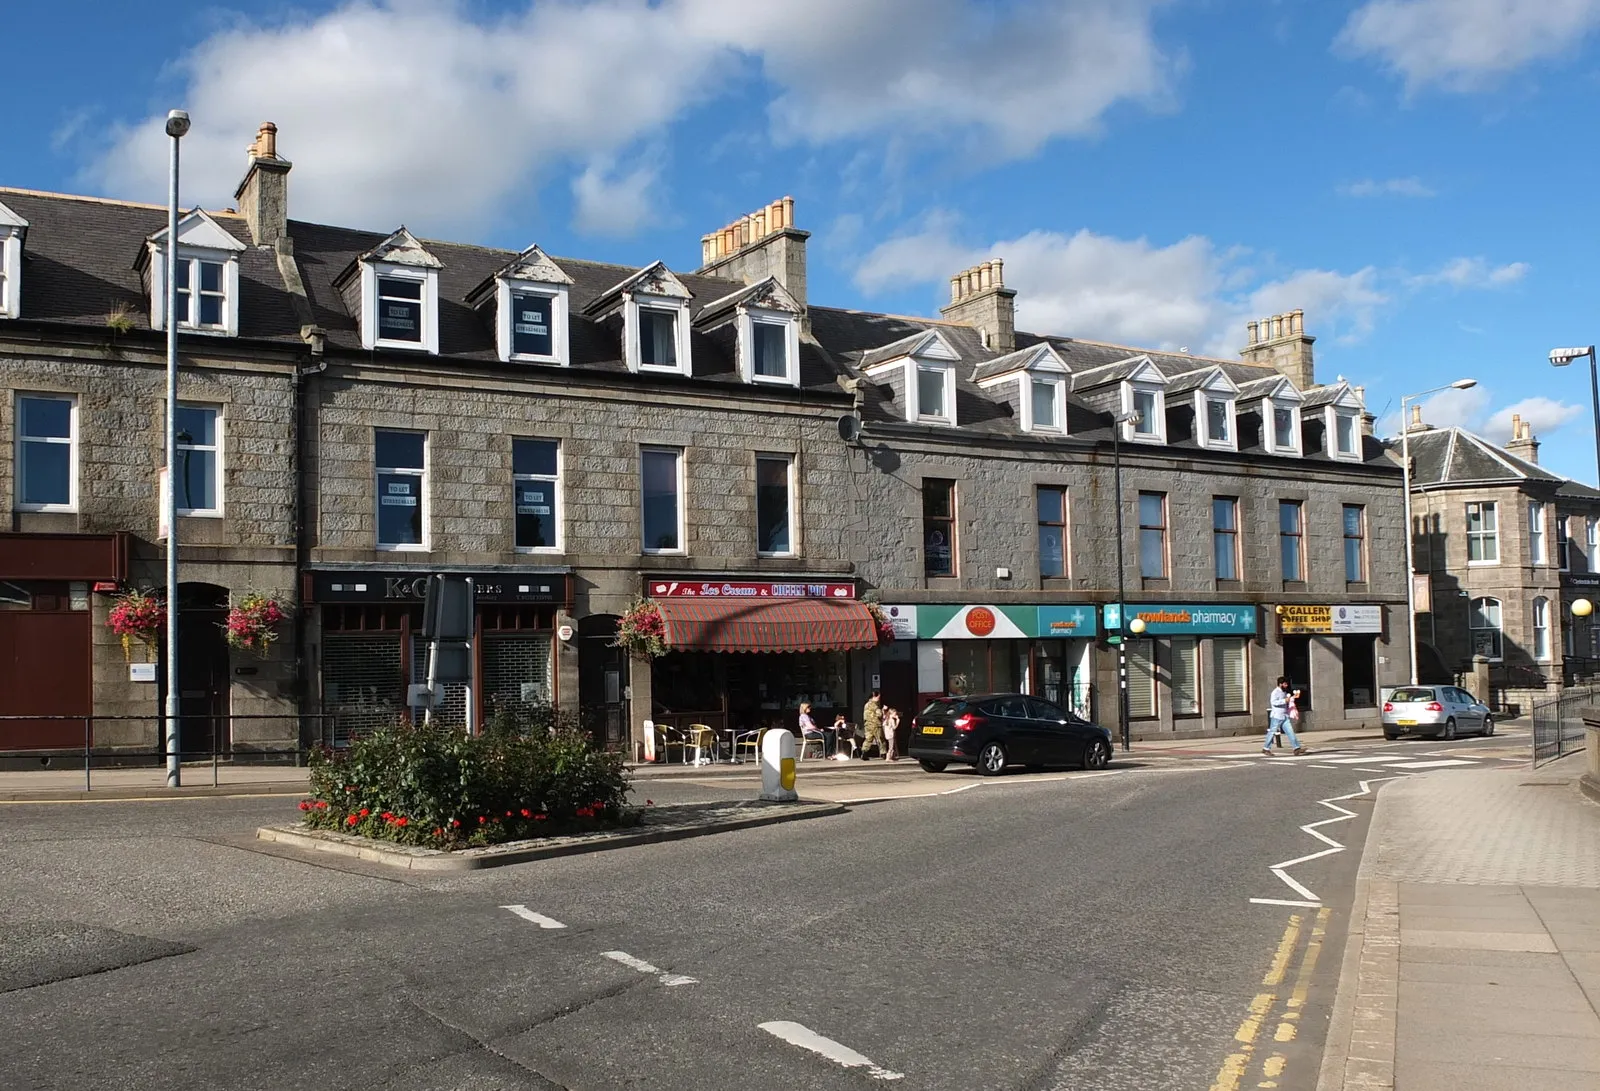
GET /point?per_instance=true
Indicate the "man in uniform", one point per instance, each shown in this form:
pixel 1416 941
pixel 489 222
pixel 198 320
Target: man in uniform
pixel 872 725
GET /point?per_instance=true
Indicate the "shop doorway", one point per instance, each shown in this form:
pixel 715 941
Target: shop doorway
pixel 202 670
pixel 1360 671
pixel 44 665
pixel 897 679
pixel 1297 666
pixel 602 678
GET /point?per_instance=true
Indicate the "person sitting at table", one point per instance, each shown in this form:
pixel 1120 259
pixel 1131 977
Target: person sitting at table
pixel 808 726
pixel 843 737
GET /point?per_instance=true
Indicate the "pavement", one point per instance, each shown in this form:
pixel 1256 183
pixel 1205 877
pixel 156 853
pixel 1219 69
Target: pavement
pixel 1473 960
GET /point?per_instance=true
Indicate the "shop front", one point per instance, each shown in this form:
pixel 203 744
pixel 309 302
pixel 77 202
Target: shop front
pixel 47 634
pixel 1189 666
pixel 1044 650
pixel 368 622
pixel 1332 644
pixel 744 655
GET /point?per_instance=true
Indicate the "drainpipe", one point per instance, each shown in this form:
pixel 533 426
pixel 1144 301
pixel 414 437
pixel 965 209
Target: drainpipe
pixel 304 425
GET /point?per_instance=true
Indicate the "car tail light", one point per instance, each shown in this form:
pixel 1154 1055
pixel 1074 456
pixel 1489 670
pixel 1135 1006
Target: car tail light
pixel 1388 706
pixel 1435 706
pixel 966 722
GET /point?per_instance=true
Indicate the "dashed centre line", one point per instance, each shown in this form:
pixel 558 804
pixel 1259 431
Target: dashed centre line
pixel 667 979
pixel 808 1039
pixel 537 918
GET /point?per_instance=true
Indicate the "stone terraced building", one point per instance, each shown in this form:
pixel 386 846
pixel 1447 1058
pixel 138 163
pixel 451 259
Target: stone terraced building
pixel 778 481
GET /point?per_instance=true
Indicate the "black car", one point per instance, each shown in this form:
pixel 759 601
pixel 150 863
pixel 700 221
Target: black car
pixel 995 731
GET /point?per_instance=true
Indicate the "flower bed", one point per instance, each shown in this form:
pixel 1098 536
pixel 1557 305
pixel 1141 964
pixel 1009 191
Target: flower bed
pixel 440 788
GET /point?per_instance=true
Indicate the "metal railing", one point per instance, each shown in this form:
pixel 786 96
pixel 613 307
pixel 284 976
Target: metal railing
pixel 300 734
pixel 1558 723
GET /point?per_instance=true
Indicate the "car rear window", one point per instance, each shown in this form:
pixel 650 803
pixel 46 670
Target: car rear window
pixel 944 706
pixel 1414 694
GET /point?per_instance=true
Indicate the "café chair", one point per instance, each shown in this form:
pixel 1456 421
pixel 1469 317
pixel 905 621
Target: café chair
pixel 704 742
pixel 669 737
pixel 819 741
pixel 752 741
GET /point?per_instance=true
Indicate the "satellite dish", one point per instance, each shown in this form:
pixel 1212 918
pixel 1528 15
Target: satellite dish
pixel 849 427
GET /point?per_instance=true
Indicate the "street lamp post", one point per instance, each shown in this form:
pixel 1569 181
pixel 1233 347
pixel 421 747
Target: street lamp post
pixel 1117 421
pixel 1563 357
pixel 177 126
pixel 1411 562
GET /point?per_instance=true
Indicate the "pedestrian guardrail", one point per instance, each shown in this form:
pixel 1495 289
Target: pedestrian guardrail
pixel 1558 723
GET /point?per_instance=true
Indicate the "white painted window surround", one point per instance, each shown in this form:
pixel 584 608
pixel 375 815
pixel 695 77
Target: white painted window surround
pixel 10 268
pixel 1280 426
pixel 208 282
pixel 399 294
pixel 1216 421
pixel 1043 399
pixel 1344 434
pixel 931 392
pixel 1150 402
pixel 528 315
pixel 769 347
pixel 657 349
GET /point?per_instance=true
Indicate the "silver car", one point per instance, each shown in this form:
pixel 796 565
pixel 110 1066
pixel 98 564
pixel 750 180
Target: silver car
pixel 1434 711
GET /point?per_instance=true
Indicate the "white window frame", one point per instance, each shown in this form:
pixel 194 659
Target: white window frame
pixel 1497 627
pixel 1202 416
pixel 1538 553
pixel 914 370
pixel 1301 575
pixel 72 442
pixel 560 491
pixel 506 291
pixel 635 354
pixel 424 501
pixel 1539 619
pixel 216 449
pixel 794 508
pixel 192 256
pixel 1269 426
pixel 1334 415
pixel 10 271
pixel 749 318
pixel 682 496
pixel 1134 431
pixel 1483 536
pixel 428 277
pixel 1058 393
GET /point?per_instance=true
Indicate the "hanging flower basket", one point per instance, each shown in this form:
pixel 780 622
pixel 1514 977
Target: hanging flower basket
pixel 881 619
pixel 642 631
pixel 137 615
pixel 252 622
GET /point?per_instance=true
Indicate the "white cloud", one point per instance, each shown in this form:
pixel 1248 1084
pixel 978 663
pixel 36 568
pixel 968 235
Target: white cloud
pixel 1388 187
pixel 1543 414
pixel 1465 44
pixel 608 203
pixel 1473 273
pixel 436 115
pixel 1184 295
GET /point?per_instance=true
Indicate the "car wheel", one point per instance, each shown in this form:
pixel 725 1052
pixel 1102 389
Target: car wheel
pixel 1391 735
pixel 1096 755
pixel 1488 725
pixel 992 760
pixel 1450 728
pixel 932 766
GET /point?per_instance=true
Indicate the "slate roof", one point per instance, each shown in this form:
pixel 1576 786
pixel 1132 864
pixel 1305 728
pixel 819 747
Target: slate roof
pixel 1444 457
pixel 79 265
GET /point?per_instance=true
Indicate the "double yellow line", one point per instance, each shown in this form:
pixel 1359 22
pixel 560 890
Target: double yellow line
pixel 1238 1065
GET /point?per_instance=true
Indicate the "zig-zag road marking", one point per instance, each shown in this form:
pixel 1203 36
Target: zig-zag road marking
pixel 1310 899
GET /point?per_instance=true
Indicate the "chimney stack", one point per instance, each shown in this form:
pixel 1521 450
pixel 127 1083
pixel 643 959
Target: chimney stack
pixel 1281 341
pixel 1522 444
pixel 1417 424
pixel 263 197
pixel 979 298
pixel 763 244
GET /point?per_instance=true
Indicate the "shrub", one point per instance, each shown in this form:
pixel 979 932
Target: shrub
pixel 439 787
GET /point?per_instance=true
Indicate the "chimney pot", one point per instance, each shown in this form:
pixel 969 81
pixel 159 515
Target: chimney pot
pixel 999 272
pixel 267 140
pixel 1250 333
pixel 1416 416
pixel 788 211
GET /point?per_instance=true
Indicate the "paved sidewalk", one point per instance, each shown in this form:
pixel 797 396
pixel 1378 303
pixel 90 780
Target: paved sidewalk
pixel 1474 955
pixel 150 782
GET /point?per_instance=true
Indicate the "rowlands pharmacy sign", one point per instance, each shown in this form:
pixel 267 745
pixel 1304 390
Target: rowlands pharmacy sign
pixel 1187 619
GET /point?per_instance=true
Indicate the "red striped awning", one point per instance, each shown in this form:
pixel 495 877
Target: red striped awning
pixel 767 625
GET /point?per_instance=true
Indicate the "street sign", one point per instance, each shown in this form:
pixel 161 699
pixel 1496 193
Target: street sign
pixel 447 609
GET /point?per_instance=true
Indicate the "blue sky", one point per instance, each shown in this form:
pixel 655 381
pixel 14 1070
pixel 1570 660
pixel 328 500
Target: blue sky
pixel 1418 175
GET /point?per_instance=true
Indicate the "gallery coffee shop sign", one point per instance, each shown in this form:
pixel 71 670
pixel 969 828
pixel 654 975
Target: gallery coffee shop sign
pixel 1298 620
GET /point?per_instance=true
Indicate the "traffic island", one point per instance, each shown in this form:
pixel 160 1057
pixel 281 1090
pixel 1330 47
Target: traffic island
pixel 673 822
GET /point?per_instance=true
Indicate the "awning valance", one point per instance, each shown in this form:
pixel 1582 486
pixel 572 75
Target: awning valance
pixel 767 625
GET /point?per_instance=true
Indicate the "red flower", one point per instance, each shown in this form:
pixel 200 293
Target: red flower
pixel 401 821
pixel 365 812
pixel 508 814
pixel 351 821
pixel 322 804
pixel 649 803
pixel 304 806
pixel 455 823
pixel 438 831
pixel 482 819
pixel 526 813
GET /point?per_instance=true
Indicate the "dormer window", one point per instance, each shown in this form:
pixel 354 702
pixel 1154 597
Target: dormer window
pixel 766 319
pixel 1339 407
pixel 1037 378
pixel 1219 421
pixel 657 334
pixel 936 393
pixel 1346 435
pixel 1150 413
pixel 921 371
pixel 394 287
pixel 1213 396
pixel 207 280
pixel 1280 426
pixel 654 306
pixel 12 230
pixel 1046 405
pixel 529 300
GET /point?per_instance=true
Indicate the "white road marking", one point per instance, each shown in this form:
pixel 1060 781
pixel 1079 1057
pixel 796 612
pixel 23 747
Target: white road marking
pixel 797 1035
pixel 1367 758
pixel 1286 901
pixel 644 967
pixel 537 918
pixel 1410 763
pixel 1344 815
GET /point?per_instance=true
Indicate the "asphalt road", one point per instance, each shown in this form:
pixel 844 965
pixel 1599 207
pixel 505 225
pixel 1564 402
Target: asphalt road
pixel 1031 932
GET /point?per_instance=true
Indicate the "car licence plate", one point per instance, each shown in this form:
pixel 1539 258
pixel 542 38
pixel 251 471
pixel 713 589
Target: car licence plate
pixel 933 731
pixel 1406 723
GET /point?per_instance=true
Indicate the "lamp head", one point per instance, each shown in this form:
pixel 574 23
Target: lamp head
pixel 1463 384
pixel 1582 607
pixel 1136 626
pixel 1563 357
pixel 177 123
